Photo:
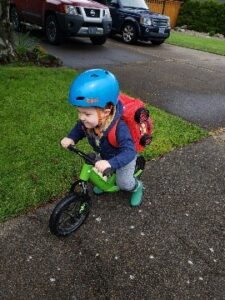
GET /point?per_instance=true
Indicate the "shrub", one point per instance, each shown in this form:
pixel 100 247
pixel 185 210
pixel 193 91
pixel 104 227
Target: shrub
pixel 28 50
pixel 206 16
pixel 211 33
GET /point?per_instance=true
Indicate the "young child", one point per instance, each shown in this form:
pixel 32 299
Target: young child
pixel 95 94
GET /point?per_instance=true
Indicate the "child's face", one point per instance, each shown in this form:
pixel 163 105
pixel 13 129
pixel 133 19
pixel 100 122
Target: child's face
pixel 88 116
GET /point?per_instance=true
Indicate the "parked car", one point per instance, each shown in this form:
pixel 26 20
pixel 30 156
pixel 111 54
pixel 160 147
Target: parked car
pixel 134 21
pixel 61 18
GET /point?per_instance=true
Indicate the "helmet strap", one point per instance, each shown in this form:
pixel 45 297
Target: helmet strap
pixel 99 128
pixel 99 113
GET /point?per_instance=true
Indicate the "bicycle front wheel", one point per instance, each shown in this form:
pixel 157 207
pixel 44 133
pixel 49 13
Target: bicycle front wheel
pixel 69 214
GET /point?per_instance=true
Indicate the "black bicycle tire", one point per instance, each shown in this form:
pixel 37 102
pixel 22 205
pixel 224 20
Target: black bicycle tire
pixel 60 208
pixel 140 165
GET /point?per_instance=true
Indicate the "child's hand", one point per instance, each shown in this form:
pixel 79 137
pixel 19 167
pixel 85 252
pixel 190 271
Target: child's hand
pixel 102 165
pixel 66 142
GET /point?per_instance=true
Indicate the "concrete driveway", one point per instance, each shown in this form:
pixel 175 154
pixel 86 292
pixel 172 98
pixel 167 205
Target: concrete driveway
pixel 182 81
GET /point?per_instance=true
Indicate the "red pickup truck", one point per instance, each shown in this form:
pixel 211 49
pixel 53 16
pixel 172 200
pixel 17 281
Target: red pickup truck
pixel 61 18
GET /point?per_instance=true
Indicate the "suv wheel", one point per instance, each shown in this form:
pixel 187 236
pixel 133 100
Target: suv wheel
pixel 98 40
pixel 129 33
pixel 52 30
pixel 14 18
pixel 159 42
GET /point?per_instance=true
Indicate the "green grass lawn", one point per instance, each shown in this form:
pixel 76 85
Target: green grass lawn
pixel 35 115
pixel 212 45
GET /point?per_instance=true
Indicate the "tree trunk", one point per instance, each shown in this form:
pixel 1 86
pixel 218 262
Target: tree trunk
pixel 7 53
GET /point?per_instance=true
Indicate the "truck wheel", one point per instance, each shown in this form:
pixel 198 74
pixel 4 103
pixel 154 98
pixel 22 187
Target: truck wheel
pixel 98 40
pixel 52 30
pixel 129 33
pixel 15 19
pixel 157 42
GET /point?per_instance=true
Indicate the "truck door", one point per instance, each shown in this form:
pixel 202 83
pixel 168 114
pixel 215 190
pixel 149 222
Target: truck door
pixel 33 11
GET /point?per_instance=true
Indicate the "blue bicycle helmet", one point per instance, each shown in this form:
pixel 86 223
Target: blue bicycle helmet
pixel 94 88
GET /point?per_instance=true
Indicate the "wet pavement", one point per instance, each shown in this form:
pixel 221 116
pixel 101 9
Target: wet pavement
pixel 184 82
pixel 80 53
pixel 172 247
pixel 188 90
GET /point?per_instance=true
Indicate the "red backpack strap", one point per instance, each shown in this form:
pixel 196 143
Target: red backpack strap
pixel 112 135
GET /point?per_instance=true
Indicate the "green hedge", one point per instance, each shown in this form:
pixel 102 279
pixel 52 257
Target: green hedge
pixel 208 16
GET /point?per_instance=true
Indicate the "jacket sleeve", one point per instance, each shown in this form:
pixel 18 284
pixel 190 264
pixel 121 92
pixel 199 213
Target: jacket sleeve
pixel 126 150
pixel 77 133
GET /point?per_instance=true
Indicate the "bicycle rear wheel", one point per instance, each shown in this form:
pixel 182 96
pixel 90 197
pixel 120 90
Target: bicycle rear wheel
pixel 140 165
pixel 69 214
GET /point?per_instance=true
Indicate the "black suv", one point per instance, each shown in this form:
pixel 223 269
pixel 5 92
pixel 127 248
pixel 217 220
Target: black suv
pixel 134 21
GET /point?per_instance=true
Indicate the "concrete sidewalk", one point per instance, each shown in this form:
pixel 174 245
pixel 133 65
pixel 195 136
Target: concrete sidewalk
pixel 172 247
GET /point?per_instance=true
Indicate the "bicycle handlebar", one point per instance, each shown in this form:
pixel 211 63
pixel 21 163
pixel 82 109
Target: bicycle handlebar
pixel 88 159
pixel 82 154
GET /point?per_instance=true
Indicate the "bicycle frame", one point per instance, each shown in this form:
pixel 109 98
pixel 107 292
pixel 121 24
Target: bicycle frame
pixel 106 184
pixel 90 174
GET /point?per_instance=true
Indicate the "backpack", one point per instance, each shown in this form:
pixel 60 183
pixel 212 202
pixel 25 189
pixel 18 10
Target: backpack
pixel 137 118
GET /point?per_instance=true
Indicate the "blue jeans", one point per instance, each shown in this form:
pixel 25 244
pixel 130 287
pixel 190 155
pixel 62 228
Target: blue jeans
pixel 125 176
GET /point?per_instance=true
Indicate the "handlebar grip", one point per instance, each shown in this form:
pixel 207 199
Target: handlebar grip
pixel 107 172
pixel 71 147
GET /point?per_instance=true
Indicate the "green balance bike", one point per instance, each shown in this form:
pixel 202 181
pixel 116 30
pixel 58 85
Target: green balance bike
pixel 72 210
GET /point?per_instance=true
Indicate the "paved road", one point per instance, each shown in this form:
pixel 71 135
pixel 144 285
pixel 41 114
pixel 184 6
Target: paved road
pixel 182 81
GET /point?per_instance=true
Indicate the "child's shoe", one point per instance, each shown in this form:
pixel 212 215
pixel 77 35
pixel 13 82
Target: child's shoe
pixel 136 197
pixel 97 191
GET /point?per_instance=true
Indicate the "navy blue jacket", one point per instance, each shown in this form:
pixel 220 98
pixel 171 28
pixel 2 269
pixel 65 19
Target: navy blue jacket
pixel 117 156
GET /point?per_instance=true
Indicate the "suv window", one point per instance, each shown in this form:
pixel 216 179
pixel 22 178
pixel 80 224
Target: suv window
pixel 134 3
pixel 110 2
